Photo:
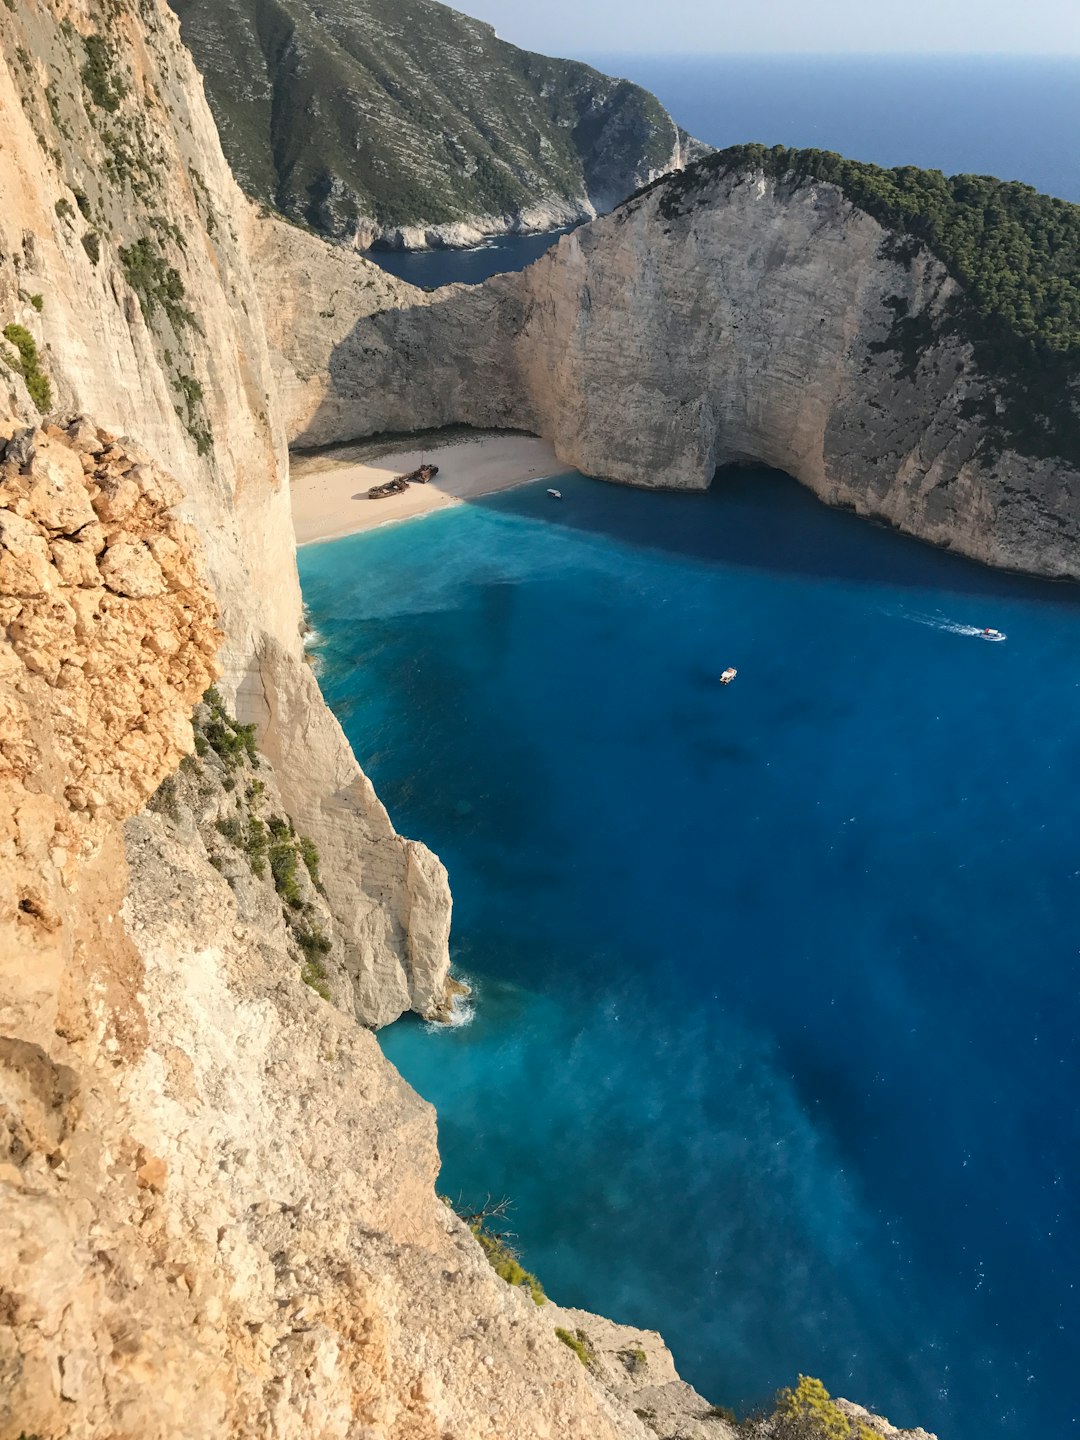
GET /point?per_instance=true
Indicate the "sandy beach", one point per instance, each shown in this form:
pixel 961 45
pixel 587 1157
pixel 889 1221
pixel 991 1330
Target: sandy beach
pixel 329 489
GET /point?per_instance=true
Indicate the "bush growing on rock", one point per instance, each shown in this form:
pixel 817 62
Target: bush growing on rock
pixel 808 1412
pixel 501 1255
pixel 577 1341
pixel 28 366
pixel 229 740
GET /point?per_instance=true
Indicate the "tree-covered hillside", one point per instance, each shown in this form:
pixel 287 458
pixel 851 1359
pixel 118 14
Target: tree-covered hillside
pixel 405 112
pixel 1015 252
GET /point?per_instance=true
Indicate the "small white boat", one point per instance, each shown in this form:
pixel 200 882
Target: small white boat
pixel 728 675
pixel 989 634
pixel 556 493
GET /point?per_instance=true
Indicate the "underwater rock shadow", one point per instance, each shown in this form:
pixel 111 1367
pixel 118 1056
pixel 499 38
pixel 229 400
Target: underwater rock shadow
pixel 762 519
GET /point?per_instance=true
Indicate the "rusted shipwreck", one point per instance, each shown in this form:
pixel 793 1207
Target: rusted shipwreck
pixel 420 476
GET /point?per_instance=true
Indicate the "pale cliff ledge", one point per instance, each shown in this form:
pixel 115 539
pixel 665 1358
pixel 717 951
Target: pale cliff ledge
pixel 724 316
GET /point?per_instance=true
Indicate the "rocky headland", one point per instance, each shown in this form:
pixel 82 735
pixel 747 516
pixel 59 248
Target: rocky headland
pixel 737 312
pixel 406 124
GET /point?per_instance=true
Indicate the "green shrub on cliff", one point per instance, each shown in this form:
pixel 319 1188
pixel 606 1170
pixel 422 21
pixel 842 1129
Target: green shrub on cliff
pixel 808 1412
pixel 157 283
pixel 313 974
pixel 309 853
pixel 1015 252
pixel 507 1265
pixel 495 1243
pixel 285 868
pixel 230 741
pixel 577 1341
pixel 29 366
pixel 104 87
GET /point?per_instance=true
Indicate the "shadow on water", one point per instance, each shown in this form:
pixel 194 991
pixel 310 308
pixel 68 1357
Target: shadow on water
pixel 431 269
pixel 762 519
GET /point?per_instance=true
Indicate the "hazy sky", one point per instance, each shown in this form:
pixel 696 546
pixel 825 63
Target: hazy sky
pixel 580 27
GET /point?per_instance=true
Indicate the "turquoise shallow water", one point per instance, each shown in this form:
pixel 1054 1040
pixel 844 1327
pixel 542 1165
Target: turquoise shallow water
pixel 775 1037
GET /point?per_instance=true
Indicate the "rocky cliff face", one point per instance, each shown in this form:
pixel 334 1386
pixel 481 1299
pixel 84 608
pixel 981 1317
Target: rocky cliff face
pixel 217 1205
pixel 217 1213
pixel 122 265
pixel 407 123
pixel 769 321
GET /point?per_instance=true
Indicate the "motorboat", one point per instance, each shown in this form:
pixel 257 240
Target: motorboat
pixel 728 675
pixel 555 494
pixel 990 634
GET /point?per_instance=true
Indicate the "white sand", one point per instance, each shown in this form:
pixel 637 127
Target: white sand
pixel 329 490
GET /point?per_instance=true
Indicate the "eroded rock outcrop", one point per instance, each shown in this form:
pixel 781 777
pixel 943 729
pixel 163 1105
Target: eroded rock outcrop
pixel 770 320
pixel 124 274
pixel 108 637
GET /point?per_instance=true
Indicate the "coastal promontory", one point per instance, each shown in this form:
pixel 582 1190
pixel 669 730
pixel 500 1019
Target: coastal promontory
pixel 902 344
pixel 406 123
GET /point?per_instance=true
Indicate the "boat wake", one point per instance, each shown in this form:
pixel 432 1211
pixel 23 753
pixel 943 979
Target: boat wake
pixel 952 627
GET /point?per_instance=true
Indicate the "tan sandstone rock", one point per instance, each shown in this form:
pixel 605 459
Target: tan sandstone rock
pixel 221 458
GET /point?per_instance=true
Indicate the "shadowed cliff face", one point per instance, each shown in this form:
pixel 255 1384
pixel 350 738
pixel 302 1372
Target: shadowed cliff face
pixel 762 325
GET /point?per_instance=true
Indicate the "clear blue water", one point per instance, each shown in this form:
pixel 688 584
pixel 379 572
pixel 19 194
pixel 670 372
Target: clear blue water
pixel 776 1031
pixel 1018 119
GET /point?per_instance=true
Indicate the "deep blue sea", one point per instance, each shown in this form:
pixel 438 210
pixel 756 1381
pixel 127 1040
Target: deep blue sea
pixel 776 1033
pixel 1018 119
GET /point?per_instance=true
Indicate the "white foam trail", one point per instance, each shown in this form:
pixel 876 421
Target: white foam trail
pixel 313 641
pixel 462 1011
pixel 951 627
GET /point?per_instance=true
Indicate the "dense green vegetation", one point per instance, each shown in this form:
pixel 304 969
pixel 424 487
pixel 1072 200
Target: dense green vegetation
pixel 1015 252
pixel 405 111
pixel 29 365
pixel 103 86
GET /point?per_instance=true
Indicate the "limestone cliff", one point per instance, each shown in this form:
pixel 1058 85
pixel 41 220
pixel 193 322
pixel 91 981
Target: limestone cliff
pixel 124 278
pixel 407 123
pixel 217 1211
pixel 771 320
